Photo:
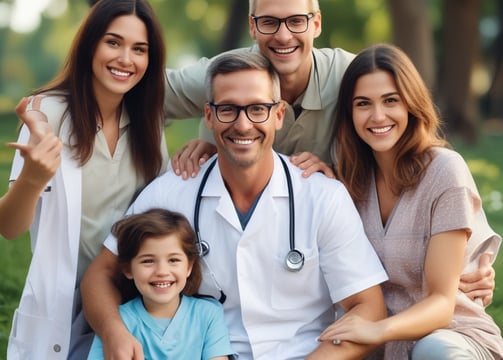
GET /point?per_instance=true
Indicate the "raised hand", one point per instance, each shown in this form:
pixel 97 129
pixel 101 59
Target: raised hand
pixel 41 161
pixel 42 152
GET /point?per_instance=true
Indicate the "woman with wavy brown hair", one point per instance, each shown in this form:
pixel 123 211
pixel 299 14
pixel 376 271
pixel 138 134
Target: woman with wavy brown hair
pixel 421 211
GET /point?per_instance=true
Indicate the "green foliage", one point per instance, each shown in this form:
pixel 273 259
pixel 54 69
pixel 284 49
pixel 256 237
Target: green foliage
pixel 352 25
pixel 14 255
pixel 486 164
pixel 192 28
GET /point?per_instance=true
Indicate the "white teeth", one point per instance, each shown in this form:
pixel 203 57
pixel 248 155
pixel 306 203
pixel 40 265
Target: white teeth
pixel 381 130
pixel 162 285
pixel 285 51
pixel 119 73
pixel 242 142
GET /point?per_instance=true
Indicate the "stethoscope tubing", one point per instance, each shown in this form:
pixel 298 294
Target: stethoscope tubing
pixel 294 260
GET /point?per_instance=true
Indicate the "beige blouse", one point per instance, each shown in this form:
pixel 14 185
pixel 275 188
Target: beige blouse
pixel 445 199
pixel 116 181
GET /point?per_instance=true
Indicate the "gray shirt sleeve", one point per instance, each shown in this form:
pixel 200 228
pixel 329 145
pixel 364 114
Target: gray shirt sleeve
pixel 185 91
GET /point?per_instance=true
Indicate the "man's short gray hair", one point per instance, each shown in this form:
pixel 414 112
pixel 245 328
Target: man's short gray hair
pixel 239 60
pixel 314 6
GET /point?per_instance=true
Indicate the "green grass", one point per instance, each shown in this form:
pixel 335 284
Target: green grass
pixel 486 164
pixel 14 255
pixel 484 160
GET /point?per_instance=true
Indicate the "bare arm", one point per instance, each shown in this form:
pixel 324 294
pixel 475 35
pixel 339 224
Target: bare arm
pixel 41 161
pixel 101 300
pixel 368 304
pixel 433 312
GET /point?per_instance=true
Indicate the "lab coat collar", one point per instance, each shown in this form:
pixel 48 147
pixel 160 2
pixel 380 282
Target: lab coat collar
pixel 277 185
pixel 215 187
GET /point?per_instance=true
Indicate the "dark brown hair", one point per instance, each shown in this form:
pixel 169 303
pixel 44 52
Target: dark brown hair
pixel 143 103
pixel 353 157
pixel 131 232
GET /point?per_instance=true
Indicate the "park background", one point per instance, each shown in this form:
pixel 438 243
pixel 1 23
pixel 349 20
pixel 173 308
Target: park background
pixel 456 44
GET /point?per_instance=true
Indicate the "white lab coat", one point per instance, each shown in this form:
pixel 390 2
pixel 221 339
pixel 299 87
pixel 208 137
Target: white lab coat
pixel 273 313
pixel 42 322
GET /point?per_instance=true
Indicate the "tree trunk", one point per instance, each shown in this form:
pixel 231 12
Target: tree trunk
pixel 237 25
pixel 495 94
pixel 412 32
pixel 460 48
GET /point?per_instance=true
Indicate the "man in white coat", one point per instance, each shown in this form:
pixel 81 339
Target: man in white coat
pixel 284 251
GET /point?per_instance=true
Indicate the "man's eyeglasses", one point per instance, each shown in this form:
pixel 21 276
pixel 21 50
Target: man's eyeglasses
pixel 269 25
pixel 256 113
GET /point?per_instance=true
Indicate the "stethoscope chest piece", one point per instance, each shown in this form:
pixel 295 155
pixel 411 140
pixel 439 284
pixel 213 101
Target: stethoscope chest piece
pixel 294 260
pixel 204 248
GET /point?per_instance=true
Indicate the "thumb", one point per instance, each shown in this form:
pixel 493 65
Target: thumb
pixel 35 120
pixel 21 106
pixel 485 259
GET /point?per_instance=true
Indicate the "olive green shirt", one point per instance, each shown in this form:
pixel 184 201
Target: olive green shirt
pixel 309 131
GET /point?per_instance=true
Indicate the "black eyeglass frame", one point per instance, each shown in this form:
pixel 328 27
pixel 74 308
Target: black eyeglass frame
pixel 308 17
pixel 239 108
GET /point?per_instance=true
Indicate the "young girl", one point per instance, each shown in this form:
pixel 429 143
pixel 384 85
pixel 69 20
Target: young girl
pixel 157 252
pixel 421 210
pixel 106 107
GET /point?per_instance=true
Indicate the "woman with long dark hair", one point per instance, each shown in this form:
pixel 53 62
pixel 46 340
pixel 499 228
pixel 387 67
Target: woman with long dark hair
pixel 106 107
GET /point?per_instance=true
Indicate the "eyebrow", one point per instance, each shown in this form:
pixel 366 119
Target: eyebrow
pixel 122 38
pixel 174 253
pixel 360 97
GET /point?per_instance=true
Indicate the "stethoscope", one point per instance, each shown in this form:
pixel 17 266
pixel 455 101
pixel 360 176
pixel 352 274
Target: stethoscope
pixel 294 260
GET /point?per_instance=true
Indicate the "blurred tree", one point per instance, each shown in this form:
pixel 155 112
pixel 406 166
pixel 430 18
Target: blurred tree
pixel 460 45
pixel 3 48
pixel 352 25
pixel 412 31
pixel 495 94
pixel 237 26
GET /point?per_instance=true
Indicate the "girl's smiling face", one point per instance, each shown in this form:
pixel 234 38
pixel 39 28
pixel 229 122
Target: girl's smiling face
pixel 160 271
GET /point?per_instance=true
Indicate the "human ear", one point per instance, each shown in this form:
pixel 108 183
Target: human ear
pixel 126 270
pixel 252 28
pixel 207 116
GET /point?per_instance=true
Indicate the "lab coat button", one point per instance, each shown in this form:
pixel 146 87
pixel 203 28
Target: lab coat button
pixel 57 348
